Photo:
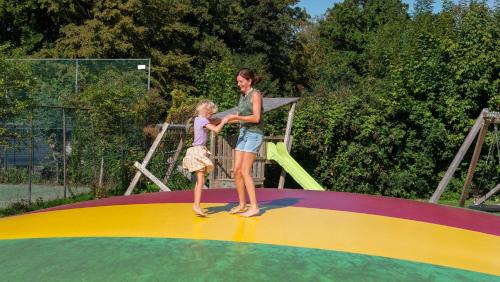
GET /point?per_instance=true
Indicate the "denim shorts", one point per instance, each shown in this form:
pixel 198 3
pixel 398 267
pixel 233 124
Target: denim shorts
pixel 249 141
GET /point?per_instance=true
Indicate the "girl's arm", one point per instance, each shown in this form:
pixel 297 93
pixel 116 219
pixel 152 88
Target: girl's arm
pixel 215 128
pixel 256 109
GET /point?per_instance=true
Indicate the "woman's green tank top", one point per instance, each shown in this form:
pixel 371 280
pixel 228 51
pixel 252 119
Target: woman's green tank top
pixel 245 108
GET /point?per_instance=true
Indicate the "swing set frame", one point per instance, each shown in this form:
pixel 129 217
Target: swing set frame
pixel 269 104
pixel 141 167
pixel 480 128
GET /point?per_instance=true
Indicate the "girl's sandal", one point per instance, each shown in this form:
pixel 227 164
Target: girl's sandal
pixel 237 209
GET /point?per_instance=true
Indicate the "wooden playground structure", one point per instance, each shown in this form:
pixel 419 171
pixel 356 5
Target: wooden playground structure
pixel 221 147
pixel 172 161
pixel 479 129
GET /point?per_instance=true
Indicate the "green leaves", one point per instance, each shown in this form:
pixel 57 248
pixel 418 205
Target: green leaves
pixel 180 36
pixel 394 97
pixel 16 93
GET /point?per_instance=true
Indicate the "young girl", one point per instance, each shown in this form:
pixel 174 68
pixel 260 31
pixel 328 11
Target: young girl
pixel 197 157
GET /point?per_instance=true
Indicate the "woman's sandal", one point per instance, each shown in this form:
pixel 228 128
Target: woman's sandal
pixel 237 209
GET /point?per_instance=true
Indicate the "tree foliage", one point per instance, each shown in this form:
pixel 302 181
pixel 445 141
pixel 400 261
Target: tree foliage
pixel 414 88
pixel 16 94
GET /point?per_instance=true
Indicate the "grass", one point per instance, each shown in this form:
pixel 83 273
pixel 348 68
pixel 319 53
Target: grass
pixel 23 206
pixel 10 193
pixel 454 200
pixel 13 197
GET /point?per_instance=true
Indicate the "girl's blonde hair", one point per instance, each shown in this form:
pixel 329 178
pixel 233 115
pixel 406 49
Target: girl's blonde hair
pixel 206 104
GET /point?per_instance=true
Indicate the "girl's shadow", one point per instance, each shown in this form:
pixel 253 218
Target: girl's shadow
pixel 263 205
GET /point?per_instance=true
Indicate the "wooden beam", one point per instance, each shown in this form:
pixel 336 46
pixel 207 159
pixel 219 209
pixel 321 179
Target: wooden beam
pixel 146 160
pixel 186 173
pixel 287 142
pixel 190 176
pixel 473 163
pixel 211 176
pixel 223 158
pixel 493 117
pixel 65 182
pixel 488 195
pixel 274 138
pixel 153 178
pixel 173 160
pixel 458 157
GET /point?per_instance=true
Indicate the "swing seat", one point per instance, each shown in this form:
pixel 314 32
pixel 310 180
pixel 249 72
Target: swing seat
pixel 485 208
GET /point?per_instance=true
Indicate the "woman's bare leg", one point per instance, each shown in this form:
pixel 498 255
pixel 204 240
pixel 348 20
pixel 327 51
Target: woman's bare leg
pixel 240 183
pixel 246 170
pixel 200 180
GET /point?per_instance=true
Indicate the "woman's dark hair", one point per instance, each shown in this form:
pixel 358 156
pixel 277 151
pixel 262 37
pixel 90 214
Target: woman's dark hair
pixel 249 74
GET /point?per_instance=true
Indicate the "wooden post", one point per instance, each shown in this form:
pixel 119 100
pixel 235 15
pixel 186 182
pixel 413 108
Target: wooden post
pixel 148 157
pixel 211 177
pixel 190 176
pixel 4 148
pixel 473 163
pixel 175 157
pixel 149 175
pixel 458 157
pixel 288 131
pixel 122 154
pixel 488 195
pixel 30 164
pixel 101 173
pixel 64 154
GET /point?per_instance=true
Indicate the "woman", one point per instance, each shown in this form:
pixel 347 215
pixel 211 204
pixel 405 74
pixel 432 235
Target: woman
pixel 249 140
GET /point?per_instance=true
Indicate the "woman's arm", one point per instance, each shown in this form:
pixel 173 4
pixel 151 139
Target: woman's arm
pixel 215 121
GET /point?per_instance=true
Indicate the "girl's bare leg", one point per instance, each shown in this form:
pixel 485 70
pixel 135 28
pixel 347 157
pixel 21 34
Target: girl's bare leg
pixel 240 183
pixel 200 180
pixel 248 159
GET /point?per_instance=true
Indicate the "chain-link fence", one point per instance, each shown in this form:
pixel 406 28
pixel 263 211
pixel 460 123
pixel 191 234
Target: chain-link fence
pixel 54 146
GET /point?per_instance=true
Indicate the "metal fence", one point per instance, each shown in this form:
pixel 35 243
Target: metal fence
pixel 46 151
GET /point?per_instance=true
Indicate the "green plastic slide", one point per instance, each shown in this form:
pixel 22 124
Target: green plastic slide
pixel 277 152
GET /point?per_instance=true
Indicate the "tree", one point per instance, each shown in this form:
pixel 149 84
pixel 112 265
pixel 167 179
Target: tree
pixel 109 114
pixel 183 36
pixel 424 6
pixel 32 24
pixel 346 31
pixel 396 127
pixel 16 86
pixel 447 5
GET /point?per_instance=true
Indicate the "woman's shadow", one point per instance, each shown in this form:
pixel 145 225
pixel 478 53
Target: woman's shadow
pixel 264 206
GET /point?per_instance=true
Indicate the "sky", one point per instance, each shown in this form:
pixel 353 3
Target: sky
pixel 318 7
